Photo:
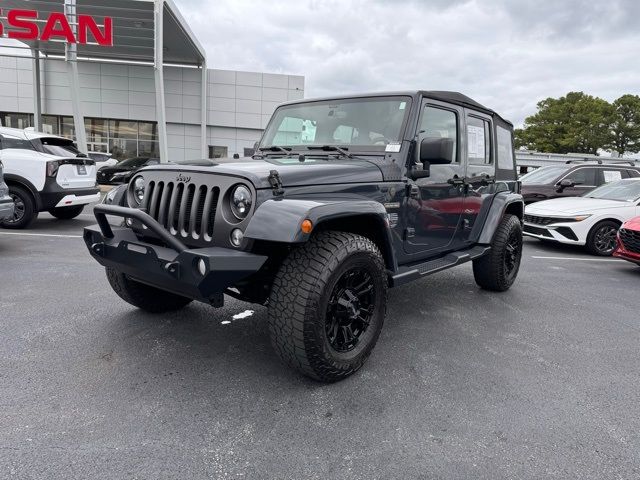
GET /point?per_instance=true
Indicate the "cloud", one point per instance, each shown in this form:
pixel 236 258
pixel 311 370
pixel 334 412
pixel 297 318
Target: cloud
pixel 506 54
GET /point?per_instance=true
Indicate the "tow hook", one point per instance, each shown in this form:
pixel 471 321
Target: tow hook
pixel 98 248
pixel 173 269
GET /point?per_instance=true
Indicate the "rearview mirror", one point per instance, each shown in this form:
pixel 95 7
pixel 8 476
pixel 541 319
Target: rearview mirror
pixel 436 151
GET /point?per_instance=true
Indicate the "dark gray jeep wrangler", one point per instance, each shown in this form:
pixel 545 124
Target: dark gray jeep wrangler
pixel 344 198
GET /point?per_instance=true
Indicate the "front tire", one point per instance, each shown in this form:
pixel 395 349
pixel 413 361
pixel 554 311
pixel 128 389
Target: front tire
pixel 601 240
pixel 145 297
pixel 327 305
pixel 497 270
pixel 66 213
pixel 25 211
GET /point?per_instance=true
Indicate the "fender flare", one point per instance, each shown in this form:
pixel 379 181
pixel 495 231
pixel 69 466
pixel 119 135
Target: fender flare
pixel 502 202
pixel 11 178
pixel 280 220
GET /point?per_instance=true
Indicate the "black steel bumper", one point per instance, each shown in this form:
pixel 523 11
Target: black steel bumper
pixel 174 267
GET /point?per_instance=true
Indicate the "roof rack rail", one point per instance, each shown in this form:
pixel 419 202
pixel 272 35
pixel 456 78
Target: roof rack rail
pixel 583 160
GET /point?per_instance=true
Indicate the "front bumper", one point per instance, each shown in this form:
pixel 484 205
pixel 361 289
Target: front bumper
pixel 562 233
pixel 6 207
pixel 174 267
pixel 625 254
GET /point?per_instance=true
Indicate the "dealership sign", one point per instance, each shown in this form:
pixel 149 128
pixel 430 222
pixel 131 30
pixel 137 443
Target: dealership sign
pixel 27 25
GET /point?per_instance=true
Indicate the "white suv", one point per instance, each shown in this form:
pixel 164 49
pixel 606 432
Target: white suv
pixel 45 173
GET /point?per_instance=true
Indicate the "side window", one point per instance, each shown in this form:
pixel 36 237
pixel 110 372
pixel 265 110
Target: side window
pixel 612 175
pixel 505 149
pixel 17 143
pixel 478 141
pixel 440 123
pixel 630 173
pixel 584 177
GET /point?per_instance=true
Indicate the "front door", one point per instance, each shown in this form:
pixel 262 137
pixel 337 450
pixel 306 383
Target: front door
pixel 434 205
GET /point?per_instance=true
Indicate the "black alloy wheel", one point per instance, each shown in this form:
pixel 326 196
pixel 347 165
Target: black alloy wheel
pixel 601 240
pixel 513 254
pixel 18 209
pixel 350 309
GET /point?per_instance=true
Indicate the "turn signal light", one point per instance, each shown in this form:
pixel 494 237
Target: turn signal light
pixel 306 226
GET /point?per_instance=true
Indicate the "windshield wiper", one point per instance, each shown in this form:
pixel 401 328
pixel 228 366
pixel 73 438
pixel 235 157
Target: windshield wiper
pixel 332 148
pixel 276 148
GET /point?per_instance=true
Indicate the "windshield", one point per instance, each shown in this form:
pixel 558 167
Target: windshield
pixel 622 190
pixel 58 146
pixel 543 176
pixel 357 123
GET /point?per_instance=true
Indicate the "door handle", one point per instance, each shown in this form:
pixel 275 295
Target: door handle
pixel 456 181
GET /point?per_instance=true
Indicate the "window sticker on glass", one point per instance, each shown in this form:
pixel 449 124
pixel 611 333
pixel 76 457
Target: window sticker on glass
pixel 403 105
pixel 392 147
pixel 612 175
pixel 475 140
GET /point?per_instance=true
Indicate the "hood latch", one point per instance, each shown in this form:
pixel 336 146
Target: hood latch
pixel 276 183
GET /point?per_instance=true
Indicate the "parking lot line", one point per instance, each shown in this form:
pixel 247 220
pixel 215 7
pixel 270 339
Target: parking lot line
pixel 40 234
pixel 579 259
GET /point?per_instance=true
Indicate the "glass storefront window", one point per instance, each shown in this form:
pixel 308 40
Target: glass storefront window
pixel 16 120
pixel 148 131
pixel 121 148
pixel 123 129
pixel 217 152
pixel 148 149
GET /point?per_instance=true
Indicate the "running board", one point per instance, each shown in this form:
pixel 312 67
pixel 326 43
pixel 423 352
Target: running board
pixel 409 273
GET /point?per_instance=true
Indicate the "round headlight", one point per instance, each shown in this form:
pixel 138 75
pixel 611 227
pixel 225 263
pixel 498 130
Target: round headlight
pixel 138 190
pixel 240 202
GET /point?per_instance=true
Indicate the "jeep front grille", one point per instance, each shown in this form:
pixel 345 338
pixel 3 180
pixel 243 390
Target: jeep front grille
pixel 186 210
pixel 630 239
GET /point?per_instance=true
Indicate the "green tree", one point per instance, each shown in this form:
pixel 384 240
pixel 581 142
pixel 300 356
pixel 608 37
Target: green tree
pixel 625 129
pixel 575 123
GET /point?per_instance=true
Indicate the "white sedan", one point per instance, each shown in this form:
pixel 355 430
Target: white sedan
pixel 592 220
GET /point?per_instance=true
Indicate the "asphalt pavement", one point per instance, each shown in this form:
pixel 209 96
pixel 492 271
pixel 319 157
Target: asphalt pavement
pixel 542 381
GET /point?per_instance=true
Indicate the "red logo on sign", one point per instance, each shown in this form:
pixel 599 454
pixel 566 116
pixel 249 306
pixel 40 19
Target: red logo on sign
pixel 22 25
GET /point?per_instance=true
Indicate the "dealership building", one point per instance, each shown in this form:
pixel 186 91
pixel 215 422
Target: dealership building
pixel 151 86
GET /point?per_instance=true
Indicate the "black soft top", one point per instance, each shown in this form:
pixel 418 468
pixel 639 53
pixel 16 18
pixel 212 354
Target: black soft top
pixel 455 98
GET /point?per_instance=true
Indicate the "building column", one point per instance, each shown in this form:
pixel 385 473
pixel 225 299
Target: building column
pixel 158 69
pixel 37 94
pixel 71 57
pixel 203 111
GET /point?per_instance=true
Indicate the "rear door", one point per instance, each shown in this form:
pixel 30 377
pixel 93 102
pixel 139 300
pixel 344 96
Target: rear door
pixel 480 171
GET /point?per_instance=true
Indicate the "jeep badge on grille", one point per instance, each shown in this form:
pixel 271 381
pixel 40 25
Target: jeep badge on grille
pixel 182 178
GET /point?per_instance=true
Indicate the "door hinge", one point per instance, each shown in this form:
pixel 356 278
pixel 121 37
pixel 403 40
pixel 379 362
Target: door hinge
pixel 276 183
pixel 410 232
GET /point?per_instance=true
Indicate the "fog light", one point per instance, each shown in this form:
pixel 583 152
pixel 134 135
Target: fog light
pixel 236 237
pixel 202 267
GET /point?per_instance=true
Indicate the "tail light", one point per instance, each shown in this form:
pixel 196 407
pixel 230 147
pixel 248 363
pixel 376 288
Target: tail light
pixel 52 168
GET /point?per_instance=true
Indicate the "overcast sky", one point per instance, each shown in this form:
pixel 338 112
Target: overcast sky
pixel 507 54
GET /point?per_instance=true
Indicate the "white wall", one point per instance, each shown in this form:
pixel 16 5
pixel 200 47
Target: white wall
pixel 239 103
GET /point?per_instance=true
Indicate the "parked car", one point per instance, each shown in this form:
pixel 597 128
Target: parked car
pixel 592 220
pixel 572 180
pixel 124 170
pixel 102 159
pixel 628 244
pixel 45 173
pixel 324 219
pixel 6 202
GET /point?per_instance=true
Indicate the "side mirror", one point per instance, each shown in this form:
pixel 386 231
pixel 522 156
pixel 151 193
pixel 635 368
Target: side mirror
pixel 566 183
pixel 436 150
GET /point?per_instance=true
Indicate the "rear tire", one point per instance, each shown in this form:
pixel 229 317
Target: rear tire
pixel 497 270
pixel 145 297
pixel 66 213
pixel 601 240
pixel 25 211
pixel 327 305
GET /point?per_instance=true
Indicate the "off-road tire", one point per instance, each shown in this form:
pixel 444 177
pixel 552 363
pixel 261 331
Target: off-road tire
pixel 491 271
pixel 591 245
pixel 66 213
pixel 29 205
pixel 145 297
pixel 299 300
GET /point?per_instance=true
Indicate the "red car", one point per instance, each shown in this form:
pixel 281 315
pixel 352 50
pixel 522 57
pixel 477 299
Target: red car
pixel 629 241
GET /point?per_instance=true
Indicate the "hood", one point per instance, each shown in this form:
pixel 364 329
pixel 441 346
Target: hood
pixel 633 224
pixel 573 205
pixel 292 172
